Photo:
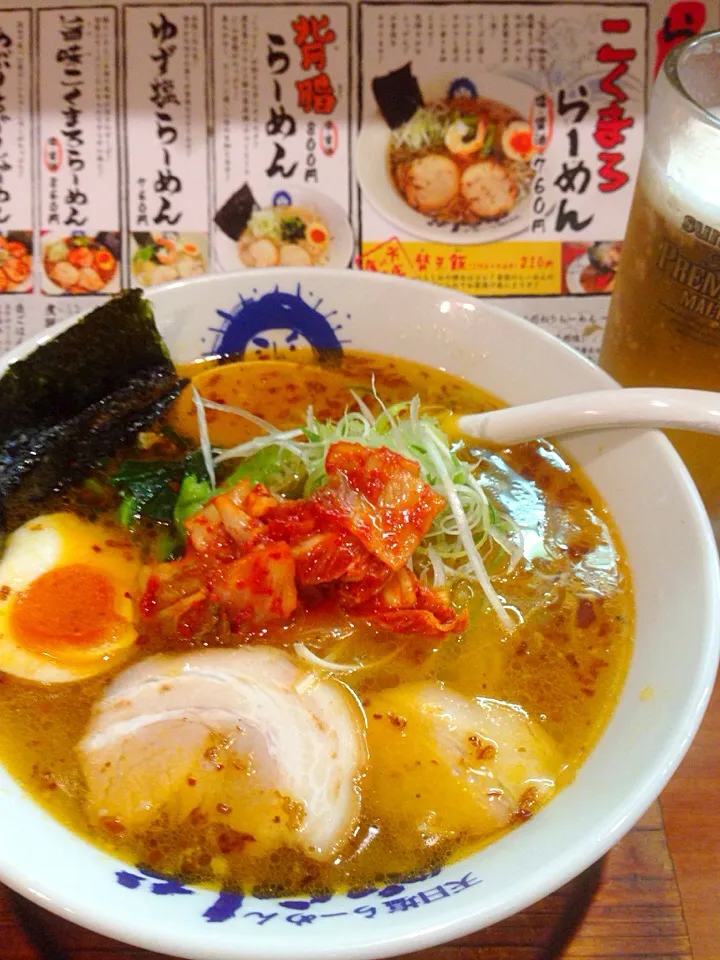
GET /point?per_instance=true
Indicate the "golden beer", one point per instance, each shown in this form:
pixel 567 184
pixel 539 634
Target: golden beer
pixel 663 327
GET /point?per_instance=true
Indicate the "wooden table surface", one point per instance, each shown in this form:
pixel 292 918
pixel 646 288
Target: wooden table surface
pixel 655 896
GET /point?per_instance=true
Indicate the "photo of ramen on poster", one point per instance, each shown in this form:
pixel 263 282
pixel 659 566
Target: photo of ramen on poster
pixel 459 166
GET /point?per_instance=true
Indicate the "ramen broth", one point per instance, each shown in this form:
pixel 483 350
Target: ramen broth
pixel 564 663
pixel 469 165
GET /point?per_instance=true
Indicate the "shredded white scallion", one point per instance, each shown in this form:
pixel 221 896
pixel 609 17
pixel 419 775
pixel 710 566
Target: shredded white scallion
pixel 281 439
pixel 438 567
pixel 239 412
pixel 363 408
pixel 204 436
pixel 330 666
pixel 513 550
pixel 309 657
pixel 465 534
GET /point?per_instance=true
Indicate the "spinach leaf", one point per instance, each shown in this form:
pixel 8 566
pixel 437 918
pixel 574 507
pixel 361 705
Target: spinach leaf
pixel 149 489
pixel 171 491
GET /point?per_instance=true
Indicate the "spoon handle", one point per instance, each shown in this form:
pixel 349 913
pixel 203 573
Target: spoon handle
pixel 650 407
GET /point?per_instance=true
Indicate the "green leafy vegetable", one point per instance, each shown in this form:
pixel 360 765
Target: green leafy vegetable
pixel 145 253
pixel 195 491
pixel 489 141
pixel 282 471
pixel 149 489
pixel 292 229
pixel 193 496
pixel 171 491
pixel 167 491
pixel 168 545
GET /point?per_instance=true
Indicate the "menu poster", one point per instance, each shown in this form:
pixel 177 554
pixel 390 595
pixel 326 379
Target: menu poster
pixel 517 150
pixel 78 161
pixel 488 147
pixel 282 158
pixel 165 125
pixel 16 176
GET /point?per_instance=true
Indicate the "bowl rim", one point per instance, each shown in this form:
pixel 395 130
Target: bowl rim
pixel 185 942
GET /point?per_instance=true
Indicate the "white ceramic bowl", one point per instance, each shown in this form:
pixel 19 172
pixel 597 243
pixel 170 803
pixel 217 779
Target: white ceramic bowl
pixel 677 586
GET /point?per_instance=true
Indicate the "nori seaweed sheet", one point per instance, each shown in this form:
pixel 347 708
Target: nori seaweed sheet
pixel 144 239
pixel 76 398
pixel 233 216
pixel 110 239
pixel 398 95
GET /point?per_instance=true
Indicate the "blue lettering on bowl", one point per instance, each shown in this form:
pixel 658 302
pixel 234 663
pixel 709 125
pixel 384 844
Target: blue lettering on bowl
pixel 227 905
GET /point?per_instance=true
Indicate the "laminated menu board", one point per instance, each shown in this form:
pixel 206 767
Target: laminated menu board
pixel 487 147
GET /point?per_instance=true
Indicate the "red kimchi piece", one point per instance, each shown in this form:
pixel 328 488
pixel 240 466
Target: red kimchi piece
pixel 379 497
pixel 405 605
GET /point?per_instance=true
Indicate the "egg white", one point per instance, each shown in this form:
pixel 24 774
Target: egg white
pixel 50 542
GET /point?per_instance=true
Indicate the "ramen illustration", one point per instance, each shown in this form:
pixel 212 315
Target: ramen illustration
pixel 293 227
pixel 15 262
pixel 161 258
pixel 454 162
pixel 463 159
pixel 79 264
pixel 284 236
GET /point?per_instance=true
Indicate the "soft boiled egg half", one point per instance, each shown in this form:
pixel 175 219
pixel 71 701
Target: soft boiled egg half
pixel 517 141
pixel 67 589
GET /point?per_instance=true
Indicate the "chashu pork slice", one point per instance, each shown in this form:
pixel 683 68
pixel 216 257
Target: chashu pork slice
pixel 244 737
pixel 449 766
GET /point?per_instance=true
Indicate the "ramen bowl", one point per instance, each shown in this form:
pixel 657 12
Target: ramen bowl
pixel 673 559
pixel 373 162
pixel 341 245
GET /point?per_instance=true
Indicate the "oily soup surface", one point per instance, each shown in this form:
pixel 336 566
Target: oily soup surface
pixel 564 663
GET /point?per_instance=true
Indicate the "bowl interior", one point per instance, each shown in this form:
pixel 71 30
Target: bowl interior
pixel 674 564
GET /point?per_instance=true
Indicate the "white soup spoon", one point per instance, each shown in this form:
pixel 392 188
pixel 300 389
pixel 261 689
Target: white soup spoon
pixel 649 407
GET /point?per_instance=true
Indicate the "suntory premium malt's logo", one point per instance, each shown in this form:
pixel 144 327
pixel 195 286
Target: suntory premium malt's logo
pixel 701 293
pixel 703 231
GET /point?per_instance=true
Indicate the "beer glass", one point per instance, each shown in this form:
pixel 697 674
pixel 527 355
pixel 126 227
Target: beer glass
pixel 663 327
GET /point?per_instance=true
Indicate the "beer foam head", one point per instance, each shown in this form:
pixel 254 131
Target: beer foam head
pixel 686 179
pixel 682 155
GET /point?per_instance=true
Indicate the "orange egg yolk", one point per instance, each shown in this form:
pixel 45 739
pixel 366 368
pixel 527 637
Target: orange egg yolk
pixel 521 143
pixel 317 235
pixel 66 607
